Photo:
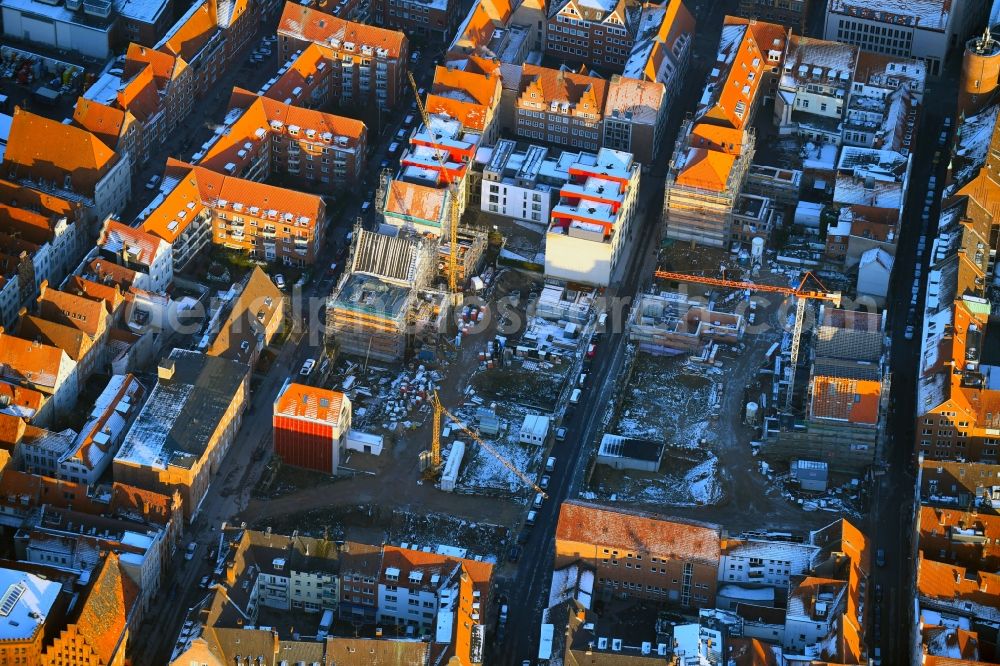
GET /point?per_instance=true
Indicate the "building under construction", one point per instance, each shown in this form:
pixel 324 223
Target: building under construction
pixel 703 184
pixel 383 301
pixel 670 324
pixel 840 420
pixel 470 250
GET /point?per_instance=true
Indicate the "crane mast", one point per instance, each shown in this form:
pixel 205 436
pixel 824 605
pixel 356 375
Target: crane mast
pixel 800 293
pixel 452 188
pixel 435 468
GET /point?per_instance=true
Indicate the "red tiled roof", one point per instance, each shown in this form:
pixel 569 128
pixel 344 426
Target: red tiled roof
pixel 140 95
pixel 588 93
pixel 407 560
pixel 949 582
pixel 583 522
pixel 108 294
pixel 40 148
pixel 44 203
pixel 843 399
pixel 26 361
pixel 166 66
pixel 306 64
pixel 311 25
pixel 418 202
pixel 140 245
pixel 81 313
pixel 105 122
pixel 106 608
pixel 187 39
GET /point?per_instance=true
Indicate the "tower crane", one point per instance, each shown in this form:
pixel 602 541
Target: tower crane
pixel 435 458
pixel 452 188
pixel 801 293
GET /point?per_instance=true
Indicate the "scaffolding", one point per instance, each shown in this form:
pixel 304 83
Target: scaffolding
pixel 702 214
pixel 471 248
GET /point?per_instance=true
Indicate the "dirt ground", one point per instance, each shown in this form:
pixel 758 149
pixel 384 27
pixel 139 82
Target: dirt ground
pixel 391 481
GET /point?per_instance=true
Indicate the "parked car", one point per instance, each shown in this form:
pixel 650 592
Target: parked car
pixel 530 520
pixel 543 483
pixel 880 557
pixel 189 553
pixel 153 181
pixel 204 582
pixel 279 281
pixel 415 56
pixel 408 120
pixel 307 367
pixel 908 334
pixel 401 134
pixel 560 434
pixel 515 554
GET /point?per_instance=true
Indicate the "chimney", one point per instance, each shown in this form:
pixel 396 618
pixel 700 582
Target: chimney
pixel 166 368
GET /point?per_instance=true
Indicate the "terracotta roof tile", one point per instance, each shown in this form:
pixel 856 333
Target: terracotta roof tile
pixel 931 660
pixel 417 202
pixel 588 93
pixel 470 86
pixel 26 361
pixel 252 314
pixel 485 17
pixel 843 399
pixel 140 95
pixel 166 66
pixel 186 39
pixel 588 523
pixel 306 64
pixel 952 583
pixel 21 400
pixel 706 169
pixel 44 203
pixel 370 652
pixel 408 560
pixel 119 238
pixel 109 273
pixel 26 224
pixel 74 342
pixel 106 609
pixel 81 313
pixel 40 148
pixel 105 122
pixel 311 25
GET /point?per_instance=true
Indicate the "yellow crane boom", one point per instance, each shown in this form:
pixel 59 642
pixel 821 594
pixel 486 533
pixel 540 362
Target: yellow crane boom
pixel 452 187
pixel 436 445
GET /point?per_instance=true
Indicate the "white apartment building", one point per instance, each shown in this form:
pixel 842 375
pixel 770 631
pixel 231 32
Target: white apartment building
pixel 522 182
pixel 813 89
pixel 885 99
pixel 815 607
pixel 149 256
pixel 592 222
pixel 762 561
pixel 925 29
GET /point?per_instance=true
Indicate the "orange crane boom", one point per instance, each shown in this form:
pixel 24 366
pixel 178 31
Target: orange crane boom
pixel 800 292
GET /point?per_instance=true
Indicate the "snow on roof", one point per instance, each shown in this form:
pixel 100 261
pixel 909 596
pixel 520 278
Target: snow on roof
pixel 973 142
pixel 60 14
pixel 145 11
pixel 105 89
pixel 5 122
pixel 926 14
pixel 876 255
pixel 25 601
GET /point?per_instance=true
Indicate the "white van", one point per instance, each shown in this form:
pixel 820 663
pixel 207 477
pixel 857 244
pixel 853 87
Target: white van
pixel 530 520
pixel 574 397
pixel 582 379
pixel 602 321
pixel 550 464
pixel 538 501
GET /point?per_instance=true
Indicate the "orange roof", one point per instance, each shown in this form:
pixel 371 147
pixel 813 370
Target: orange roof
pixel 106 609
pixel 140 246
pixel 187 38
pixel 74 342
pixel 706 169
pixel 40 148
pixel 309 402
pixel 36 200
pixel 588 523
pixel 715 137
pixel 108 294
pixel 20 399
pixel 407 560
pixel 26 224
pixel 952 583
pixel 304 66
pixel 83 314
pixel 311 25
pixel 180 206
pixel 140 95
pixel 968 538
pixel 931 660
pixel 744 64
pixel 166 66
pixel 469 86
pixel 417 202
pixel 844 399
pixel 259 113
pixel 588 93
pixel 107 272
pixel 485 17
pixel 105 122
pixel 472 116
pixel 26 361
pixel 147 503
